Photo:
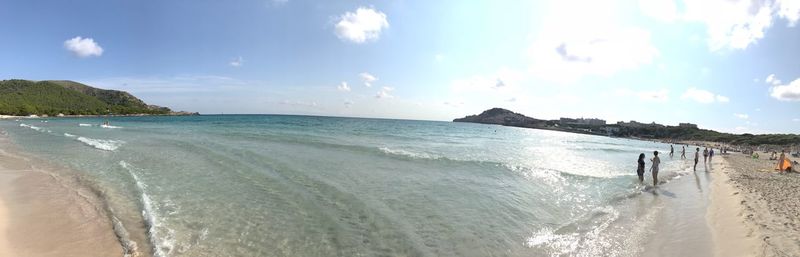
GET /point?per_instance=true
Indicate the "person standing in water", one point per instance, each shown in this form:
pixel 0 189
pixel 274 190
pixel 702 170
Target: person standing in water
pixel 671 150
pixel 640 168
pixel 710 154
pixel 705 155
pixel 696 158
pixel 654 168
pixel 683 152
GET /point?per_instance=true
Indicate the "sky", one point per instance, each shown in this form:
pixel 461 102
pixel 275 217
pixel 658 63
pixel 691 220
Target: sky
pixel 727 65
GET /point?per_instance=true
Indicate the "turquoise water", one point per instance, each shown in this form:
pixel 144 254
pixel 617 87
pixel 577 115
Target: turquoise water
pixel 271 185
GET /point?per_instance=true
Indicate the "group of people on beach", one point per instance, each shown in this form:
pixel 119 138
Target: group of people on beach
pixel 707 156
pixel 784 164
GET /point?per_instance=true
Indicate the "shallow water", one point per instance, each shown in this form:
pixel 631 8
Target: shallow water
pixel 271 185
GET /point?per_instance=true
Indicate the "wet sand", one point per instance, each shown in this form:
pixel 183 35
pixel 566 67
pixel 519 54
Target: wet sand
pixel 768 206
pixel 732 236
pixel 41 215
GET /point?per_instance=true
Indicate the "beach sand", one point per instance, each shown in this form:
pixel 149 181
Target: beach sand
pixel 754 211
pixel 731 235
pixel 41 215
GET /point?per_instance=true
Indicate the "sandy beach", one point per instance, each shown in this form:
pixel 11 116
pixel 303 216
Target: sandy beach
pixel 754 211
pixel 42 215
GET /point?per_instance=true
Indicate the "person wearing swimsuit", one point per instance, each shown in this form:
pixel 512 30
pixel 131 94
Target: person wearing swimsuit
pixel 656 161
pixel 696 158
pixel 640 169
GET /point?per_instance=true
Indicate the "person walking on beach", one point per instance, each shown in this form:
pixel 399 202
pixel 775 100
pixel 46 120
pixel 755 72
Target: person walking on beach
pixel 654 168
pixel 710 154
pixel 696 158
pixel 705 155
pixel 640 168
pixel 683 152
pixel 671 150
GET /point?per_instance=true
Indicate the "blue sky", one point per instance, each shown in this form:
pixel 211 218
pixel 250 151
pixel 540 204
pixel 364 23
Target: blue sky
pixel 727 65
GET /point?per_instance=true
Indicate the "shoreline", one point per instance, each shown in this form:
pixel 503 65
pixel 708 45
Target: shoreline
pixel 43 214
pixel 730 234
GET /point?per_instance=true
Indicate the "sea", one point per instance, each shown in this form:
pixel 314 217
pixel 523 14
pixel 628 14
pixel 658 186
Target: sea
pixel 282 185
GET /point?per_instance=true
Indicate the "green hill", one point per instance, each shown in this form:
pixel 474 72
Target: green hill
pixel 25 97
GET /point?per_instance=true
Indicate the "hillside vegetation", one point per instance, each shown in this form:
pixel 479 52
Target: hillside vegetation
pixel 24 97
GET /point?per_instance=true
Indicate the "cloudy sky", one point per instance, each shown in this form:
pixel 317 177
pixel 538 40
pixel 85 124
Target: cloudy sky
pixel 727 65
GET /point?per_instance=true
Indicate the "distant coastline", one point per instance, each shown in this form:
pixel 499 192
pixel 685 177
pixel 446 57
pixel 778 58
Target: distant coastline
pixel 685 132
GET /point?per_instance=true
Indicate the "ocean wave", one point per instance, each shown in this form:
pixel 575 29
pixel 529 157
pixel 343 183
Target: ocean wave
pixel 109 126
pixel 34 127
pixel 30 127
pixel 70 135
pixel 601 149
pixel 84 125
pixel 102 144
pixel 409 154
pixel 162 238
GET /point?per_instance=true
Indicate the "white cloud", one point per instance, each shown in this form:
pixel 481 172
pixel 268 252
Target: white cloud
pixel 758 109
pixel 703 96
pixel 581 38
pixel 343 87
pixel 664 10
pixel 796 119
pixel 347 103
pixel 790 92
pixel 772 80
pixel 238 62
pixel 737 24
pixel 503 79
pixel 564 57
pixel 363 25
pixel 367 78
pixel 384 92
pixel 789 10
pixel 741 116
pixel 83 47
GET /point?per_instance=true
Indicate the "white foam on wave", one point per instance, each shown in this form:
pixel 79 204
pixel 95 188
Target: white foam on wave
pixel 84 125
pixel 162 238
pixel 405 153
pixel 102 144
pixel 70 135
pixel 109 126
pixel 34 127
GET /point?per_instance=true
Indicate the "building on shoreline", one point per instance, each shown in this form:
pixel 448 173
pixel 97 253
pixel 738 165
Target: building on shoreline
pixel 581 121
